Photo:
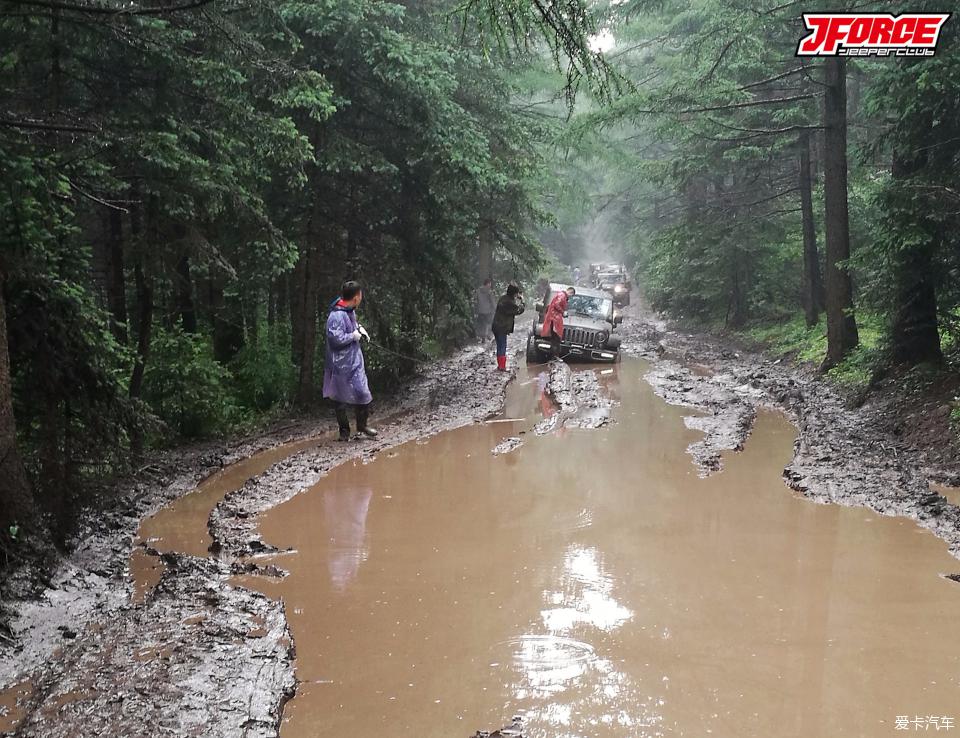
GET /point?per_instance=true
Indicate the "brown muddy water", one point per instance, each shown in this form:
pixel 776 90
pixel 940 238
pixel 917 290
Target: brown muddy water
pixel 590 581
pixel 950 494
pixel 11 705
pixel 181 526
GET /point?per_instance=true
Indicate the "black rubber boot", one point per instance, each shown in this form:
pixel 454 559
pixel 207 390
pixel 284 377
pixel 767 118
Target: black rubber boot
pixel 363 412
pixel 344 422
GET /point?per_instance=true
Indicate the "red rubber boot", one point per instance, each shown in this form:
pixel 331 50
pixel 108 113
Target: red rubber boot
pixel 502 363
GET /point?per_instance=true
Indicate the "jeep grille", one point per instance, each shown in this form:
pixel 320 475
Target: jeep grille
pixel 580 336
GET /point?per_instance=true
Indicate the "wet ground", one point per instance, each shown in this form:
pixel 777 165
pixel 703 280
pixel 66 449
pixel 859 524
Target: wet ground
pixel 592 581
pixel 181 526
pixel 595 559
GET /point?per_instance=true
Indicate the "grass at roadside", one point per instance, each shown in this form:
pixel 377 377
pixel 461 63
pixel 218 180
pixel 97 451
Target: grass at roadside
pixel 809 345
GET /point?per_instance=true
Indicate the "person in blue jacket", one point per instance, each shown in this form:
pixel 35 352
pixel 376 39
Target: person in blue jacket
pixel 344 375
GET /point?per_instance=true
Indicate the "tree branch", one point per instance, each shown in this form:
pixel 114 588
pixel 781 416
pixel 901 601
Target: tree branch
pixel 104 10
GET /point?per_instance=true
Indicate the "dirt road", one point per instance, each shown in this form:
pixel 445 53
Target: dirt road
pixel 193 655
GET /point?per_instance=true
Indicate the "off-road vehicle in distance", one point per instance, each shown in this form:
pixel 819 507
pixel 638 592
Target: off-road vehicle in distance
pixel 588 328
pixel 617 283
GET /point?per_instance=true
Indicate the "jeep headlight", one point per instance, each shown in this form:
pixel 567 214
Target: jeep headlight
pixel 620 288
pixel 601 338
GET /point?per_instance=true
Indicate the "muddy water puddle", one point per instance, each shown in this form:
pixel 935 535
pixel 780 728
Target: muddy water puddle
pixel 950 494
pixel 590 581
pixel 12 700
pixel 181 526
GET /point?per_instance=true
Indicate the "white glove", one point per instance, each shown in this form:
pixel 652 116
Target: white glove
pixel 356 336
pixel 363 332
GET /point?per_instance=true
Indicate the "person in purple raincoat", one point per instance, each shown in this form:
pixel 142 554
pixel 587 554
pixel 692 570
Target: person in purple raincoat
pixel 344 376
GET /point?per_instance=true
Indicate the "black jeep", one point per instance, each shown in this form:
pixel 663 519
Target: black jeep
pixel 588 327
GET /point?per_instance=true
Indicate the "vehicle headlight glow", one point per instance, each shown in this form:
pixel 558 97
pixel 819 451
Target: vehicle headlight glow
pixel 620 288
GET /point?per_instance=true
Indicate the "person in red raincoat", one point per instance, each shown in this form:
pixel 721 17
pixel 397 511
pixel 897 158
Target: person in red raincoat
pixel 552 327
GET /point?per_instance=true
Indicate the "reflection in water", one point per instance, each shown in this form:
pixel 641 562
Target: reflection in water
pixel 553 666
pixel 586 597
pixel 595 584
pixel 345 517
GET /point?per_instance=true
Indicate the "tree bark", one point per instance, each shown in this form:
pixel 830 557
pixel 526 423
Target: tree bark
pixel 116 281
pixel 842 334
pixel 144 328
pixel 272 309
pixel 915 335
pixel 16 497
pixel 295 291
pixel 305 325
pixel 812 282
pixel 484 254
pixel 144 294
pixel 185 304
pixel 411 197
pixel 227 319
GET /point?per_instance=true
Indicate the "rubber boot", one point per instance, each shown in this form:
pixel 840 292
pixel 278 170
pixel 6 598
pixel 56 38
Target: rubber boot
pixel 344 423
pixel 502 363
pixel 363 412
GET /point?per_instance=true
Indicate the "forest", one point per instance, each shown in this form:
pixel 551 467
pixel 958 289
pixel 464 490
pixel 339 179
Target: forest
pixel 186 184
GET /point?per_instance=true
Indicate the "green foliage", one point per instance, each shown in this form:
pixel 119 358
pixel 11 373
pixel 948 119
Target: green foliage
pixel 187 389
pixel 792 338
pixel 263 375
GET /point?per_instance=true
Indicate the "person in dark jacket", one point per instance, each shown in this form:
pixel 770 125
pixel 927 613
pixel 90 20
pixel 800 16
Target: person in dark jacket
pixel 509 306
pixel 344 374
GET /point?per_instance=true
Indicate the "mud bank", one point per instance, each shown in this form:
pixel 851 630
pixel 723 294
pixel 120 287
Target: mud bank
pixel 222 663
pixel 842 455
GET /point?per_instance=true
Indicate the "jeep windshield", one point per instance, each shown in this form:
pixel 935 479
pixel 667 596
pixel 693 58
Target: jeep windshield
pixel 599 308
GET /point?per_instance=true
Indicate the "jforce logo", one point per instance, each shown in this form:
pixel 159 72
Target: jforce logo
pixel 871 34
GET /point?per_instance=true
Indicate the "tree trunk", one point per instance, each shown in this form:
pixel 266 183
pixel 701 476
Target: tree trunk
pixel 305 324
pixel 144 328
pixel 16 498
pixel 272 309
pixel 484 254
pixel 227 318
pixel 250 305
pixel 915 336
pixel 409 234
pixel 812 283
pixel 739 286
pixel 144 294
pixel 116 281
pixel 842 334
pixel 295 292
pixel 184 290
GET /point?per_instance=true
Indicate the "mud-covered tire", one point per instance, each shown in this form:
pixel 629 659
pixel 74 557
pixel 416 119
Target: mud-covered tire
pixel 534 355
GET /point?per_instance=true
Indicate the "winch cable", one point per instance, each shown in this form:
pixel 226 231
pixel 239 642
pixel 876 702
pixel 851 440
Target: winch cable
pixel 398 355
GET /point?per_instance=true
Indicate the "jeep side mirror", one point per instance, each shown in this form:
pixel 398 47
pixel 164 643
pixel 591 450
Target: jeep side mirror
pixel 617 319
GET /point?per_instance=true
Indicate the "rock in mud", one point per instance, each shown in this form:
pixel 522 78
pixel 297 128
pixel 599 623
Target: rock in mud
pixel 579 399
pixel 507 445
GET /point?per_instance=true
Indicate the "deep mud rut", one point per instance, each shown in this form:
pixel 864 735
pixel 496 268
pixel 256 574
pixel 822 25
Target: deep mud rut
pixel 198 657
